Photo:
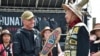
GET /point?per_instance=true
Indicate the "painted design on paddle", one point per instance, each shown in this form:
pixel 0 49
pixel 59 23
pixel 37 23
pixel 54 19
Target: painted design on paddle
pixel 51 42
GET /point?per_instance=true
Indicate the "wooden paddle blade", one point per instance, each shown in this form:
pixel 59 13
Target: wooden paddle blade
pixel 51 41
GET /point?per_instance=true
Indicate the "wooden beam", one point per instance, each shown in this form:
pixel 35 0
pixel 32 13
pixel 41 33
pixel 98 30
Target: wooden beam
pixel 0 2
pixel 28 2
pixel 42 3
pixel 21 2
pixel 49 3
pixel 36 5
pixel 14 2
pixel 7 2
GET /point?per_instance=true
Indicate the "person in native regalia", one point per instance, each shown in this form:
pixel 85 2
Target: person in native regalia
pixel 77 39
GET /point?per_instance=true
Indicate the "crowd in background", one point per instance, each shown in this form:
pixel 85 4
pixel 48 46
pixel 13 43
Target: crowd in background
pixel 42 22
pixel 28 41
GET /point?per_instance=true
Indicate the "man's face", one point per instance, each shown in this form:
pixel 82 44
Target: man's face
pixel 97 32
pixel 68 15
pixel 29 23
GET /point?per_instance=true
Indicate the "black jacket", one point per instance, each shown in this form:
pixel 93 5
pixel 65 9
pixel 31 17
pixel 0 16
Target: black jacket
pixel 26 43
pixel 83 42
pixel 94 47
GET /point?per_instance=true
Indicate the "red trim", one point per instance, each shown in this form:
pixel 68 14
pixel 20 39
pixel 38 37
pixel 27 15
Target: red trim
pixel 71 24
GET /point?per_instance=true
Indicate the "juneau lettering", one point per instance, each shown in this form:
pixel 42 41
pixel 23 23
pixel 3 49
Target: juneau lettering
pixel 10 21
